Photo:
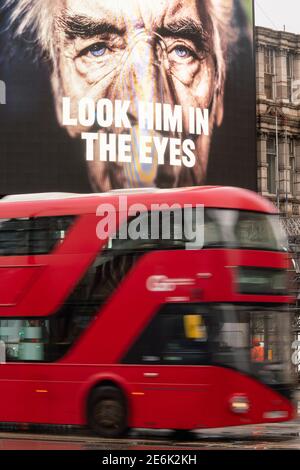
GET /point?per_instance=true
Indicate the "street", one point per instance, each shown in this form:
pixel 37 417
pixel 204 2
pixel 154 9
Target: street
pixel 260 437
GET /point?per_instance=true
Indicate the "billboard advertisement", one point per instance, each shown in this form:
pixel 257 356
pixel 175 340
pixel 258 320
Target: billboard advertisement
pixel 106 94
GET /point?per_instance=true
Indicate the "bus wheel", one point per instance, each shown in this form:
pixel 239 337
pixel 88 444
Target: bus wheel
pixel 107 415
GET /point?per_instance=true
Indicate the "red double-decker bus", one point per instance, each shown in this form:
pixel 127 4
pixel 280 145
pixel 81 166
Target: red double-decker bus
pixel 122 332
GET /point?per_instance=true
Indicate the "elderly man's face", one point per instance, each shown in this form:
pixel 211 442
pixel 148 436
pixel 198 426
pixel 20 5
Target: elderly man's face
pixel 138 50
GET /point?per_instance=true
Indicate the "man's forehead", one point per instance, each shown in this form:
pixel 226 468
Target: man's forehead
pixel 140 13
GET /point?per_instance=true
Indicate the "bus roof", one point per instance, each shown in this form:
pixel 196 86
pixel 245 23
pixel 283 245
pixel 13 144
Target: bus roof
pixel 23 205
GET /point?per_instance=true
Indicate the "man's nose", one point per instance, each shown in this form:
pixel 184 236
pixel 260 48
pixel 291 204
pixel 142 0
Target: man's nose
pixel 143 75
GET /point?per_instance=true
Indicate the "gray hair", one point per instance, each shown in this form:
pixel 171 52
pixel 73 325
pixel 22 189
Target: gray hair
pixel 225 33
pixel 36 20
pixel 33 20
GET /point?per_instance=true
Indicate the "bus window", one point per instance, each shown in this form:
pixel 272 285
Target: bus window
pixel 37 235
pixel 172 338
pixel 185 339
pixel 2 352
pixel 254 230
pixel 212 230
pixel 244 229
pixel 266 327
pixel 167 230
pixel 156 230
pixel 24 339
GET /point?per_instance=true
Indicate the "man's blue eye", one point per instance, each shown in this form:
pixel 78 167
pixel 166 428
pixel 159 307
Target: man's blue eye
pixel 182 51
pixel 98 50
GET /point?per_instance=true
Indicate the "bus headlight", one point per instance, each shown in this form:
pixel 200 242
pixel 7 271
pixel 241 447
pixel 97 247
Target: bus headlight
pixel 252 280
pixel 239 404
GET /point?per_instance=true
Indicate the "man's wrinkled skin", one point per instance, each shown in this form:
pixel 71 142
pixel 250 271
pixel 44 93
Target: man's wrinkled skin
pixel 139 50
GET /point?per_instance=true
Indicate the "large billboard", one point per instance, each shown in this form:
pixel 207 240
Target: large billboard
pixel 105 94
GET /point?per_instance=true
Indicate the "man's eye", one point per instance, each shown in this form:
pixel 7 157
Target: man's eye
pixel 97 50
pixel 182 52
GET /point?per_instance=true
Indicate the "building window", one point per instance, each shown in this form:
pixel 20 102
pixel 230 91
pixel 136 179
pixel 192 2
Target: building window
pixel 269 73
pixel 292 165
pixel 271 161
pixel 290 75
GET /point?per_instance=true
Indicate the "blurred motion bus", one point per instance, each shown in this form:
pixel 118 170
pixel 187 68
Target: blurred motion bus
pixel 120 333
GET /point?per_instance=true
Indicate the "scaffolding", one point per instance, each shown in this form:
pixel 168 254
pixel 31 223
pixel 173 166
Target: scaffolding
pixel 291 226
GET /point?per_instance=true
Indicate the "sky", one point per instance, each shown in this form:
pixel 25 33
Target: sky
pixel 277 13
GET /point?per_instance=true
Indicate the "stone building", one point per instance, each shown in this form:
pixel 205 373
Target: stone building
pixel 278 135
pixel 278 102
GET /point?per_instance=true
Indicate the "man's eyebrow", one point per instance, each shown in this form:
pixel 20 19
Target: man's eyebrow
pixel 86 27
pixel 185 28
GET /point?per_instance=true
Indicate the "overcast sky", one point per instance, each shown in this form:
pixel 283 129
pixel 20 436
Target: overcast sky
pixel 277 13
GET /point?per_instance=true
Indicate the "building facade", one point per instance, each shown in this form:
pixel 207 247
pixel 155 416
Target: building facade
pixel 278 117
pixel 278 136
